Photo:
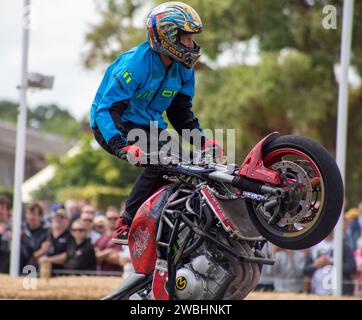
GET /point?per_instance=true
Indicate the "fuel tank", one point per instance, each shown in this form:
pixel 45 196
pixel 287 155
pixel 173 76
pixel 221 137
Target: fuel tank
pixel 143 231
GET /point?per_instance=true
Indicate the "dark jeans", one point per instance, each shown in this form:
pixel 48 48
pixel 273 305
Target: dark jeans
pixel 147 182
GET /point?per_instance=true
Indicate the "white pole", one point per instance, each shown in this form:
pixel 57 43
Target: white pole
pixel 342 131
pixel 20 146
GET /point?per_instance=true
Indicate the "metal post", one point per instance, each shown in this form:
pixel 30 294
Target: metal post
pixel 20 147
pixel 342 131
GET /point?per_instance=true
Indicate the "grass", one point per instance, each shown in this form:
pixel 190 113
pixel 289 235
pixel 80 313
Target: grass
pixel 93 288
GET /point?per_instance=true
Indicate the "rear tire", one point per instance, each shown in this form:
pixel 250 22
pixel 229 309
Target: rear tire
pixel 332 200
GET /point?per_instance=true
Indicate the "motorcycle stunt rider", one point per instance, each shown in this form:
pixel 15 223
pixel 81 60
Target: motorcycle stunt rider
pixel 141 84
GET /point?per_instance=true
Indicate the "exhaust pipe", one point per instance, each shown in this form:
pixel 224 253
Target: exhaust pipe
pixel 133 283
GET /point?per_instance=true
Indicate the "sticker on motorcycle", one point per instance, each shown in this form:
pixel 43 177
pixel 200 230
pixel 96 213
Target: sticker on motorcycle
pixel 181 283
pixel 141 240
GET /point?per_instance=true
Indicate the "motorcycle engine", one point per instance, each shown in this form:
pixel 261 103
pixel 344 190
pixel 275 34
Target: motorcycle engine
pixel 202 278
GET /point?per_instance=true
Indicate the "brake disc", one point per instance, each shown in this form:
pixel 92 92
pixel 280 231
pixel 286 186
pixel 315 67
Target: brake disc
pixel 305 196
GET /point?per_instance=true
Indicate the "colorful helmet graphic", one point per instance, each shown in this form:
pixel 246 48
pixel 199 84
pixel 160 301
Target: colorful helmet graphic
pixel 166 23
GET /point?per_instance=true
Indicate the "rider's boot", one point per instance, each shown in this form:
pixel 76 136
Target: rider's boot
pixel 121 231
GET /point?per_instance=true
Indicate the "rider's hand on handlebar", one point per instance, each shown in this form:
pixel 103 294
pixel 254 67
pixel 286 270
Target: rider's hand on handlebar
pixel 131 153
pixel 216 145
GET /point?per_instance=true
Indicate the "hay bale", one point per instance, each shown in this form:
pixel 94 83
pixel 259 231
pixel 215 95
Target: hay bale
pixel 93 288
pixel 62 288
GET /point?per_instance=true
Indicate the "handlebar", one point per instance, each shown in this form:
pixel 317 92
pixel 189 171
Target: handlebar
pixel 205 168
pixel 161 159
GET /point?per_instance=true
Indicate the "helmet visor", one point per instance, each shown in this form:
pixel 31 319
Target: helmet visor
pixel 187 41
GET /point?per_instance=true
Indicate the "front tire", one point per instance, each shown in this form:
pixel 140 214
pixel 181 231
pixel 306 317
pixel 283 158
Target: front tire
pixel 330 196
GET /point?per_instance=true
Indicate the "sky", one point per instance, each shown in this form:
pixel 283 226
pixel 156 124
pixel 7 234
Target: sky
pixel 55 48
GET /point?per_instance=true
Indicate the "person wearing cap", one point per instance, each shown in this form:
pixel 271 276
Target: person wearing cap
pixel 54 249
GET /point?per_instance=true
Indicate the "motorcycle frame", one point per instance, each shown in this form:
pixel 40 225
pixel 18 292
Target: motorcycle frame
pixel 252 170
pixel 173 259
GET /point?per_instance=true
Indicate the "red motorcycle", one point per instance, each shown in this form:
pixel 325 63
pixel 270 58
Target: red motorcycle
pixel 201 236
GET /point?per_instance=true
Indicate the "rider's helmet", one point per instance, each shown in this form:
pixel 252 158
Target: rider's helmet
pixel 166 23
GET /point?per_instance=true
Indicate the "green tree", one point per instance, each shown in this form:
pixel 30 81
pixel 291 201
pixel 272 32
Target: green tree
pixel 116 31
pixel 277 24
pixel 53 119
pixel 280 94
pixel 8 111
pixel 45 118
pixel 92 165
pixel 89 166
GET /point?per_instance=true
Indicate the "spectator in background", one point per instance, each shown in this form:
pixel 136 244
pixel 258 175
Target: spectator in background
pixel 355 226
pixel 33 235
pixel 87 216
pixel 349 217
pixel 358 259
pixel 83 202
pixel 112 214
pixel 288 269
pixel 54 249
pixel 100 224
pixel 73 209
pixel 125 261
pixel 5 208
pixel 80 254
pixel 266 281
pixel 107 253
pixel 319 264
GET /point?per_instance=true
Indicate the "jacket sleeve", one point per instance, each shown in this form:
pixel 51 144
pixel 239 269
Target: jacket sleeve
pixel 114 100
pixel 181 116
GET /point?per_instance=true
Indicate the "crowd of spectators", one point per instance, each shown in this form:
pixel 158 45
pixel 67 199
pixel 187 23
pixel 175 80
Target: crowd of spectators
pixel 312 271
pixel 74 238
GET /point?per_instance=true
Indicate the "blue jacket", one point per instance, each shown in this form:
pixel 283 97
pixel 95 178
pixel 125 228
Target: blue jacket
pixel 138 88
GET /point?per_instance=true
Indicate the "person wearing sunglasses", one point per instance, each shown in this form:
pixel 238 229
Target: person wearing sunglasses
pixel 80 254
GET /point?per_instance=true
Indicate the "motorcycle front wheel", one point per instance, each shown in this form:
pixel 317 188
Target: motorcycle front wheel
pixel 315 194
